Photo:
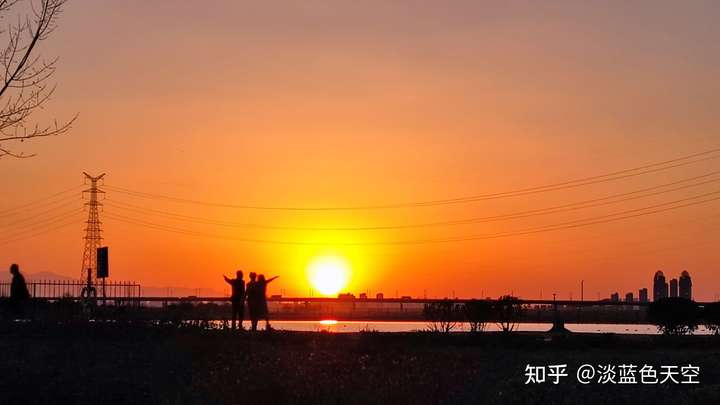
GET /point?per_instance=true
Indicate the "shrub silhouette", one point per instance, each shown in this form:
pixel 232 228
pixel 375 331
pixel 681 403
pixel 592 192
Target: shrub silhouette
pixel 507 311
pixel 442 316
pixel 674 316
pixel 478 313
pixel 711 317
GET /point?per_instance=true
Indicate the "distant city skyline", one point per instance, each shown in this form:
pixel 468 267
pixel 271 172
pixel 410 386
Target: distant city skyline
pixel 661 288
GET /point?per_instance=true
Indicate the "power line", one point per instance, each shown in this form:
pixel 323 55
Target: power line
pixel 599 220
pixel 72 221
pixel 596 202
pixel 41 202
pixel 43 227
pixel 635 250
pixel 36 216
pixel 41 221
pixel 44 221
pixel 621 215
pixel 617 175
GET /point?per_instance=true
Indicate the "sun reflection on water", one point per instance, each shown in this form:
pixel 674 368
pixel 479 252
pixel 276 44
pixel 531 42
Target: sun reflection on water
pixel 328 322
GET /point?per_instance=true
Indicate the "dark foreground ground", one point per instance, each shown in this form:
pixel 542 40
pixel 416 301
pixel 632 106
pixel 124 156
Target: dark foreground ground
pixel 113 365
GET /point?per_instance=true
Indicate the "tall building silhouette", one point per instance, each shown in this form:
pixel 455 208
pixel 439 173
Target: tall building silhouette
pixel 685 285
pixel 629 298
pixel 673 288
pixel 660 286
pixel 643 295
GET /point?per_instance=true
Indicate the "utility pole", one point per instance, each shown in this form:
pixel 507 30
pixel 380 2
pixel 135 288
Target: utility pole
pixel 93 234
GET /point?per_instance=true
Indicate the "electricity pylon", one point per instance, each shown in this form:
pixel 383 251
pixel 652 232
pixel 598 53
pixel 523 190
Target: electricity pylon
pixel 93 232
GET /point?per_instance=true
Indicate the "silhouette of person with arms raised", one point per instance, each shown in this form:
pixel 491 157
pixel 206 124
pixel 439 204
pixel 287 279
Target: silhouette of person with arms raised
pixel 19 293
pixel 237 298
pixel 252 300
pixel 261 287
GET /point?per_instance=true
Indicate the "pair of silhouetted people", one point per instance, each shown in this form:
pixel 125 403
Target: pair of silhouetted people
pixel 255 292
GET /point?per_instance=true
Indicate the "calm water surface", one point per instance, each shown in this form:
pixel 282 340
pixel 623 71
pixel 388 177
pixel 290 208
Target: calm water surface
pixel 358 326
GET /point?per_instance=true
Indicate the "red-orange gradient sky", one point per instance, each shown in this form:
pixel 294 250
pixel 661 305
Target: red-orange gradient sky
pixel 335 103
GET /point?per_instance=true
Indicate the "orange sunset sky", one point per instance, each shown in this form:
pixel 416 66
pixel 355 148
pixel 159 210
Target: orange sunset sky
pixel 347 103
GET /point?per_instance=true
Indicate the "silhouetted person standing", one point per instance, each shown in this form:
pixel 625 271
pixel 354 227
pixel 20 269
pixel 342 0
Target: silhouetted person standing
pixel 261 287
pixel 19 293
pixel 252 300
pixel 237 298
pixel 18 288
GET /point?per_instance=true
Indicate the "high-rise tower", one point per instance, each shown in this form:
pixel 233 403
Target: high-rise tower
pixel 685 285
pixel 660 286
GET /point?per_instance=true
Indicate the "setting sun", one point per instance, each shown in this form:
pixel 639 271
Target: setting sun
pixel 329 274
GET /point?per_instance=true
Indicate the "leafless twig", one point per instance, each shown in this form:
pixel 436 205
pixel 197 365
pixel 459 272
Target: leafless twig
pixel 24 73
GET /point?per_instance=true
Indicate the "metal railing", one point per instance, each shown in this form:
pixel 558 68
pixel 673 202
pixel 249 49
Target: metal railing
pixel 55 289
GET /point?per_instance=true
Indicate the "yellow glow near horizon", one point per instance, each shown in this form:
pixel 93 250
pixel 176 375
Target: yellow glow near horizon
pixel 329 274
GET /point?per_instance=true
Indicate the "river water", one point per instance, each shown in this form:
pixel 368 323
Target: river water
pixel 359 326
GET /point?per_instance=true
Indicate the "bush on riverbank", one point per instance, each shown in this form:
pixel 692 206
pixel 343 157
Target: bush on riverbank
pixel 507 311
pixel 674 316
pixel 711 317
pixel 442 316
pixel 478 313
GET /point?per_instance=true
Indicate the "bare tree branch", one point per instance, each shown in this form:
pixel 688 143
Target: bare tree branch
pixel 24 74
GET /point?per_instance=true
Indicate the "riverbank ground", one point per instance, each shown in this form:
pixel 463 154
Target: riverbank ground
pixel 114 365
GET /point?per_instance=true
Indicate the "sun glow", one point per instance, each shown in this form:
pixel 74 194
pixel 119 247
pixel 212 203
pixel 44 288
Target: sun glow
pixel 329 274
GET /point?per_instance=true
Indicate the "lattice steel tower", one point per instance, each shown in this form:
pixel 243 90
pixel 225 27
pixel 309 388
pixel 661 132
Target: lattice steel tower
pixel 93 232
